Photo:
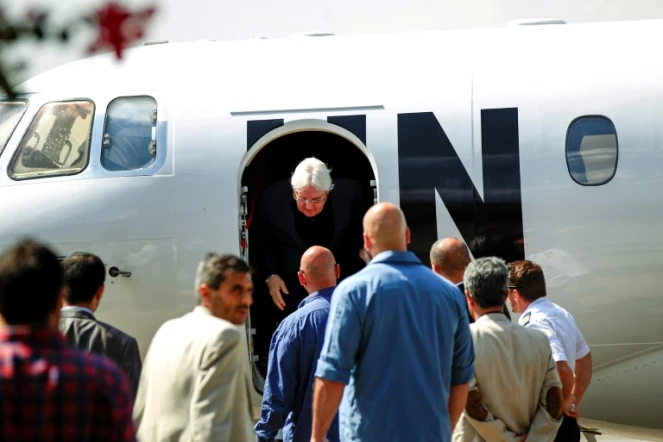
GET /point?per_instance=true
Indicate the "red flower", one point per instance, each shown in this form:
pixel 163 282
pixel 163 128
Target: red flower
pixel 119 27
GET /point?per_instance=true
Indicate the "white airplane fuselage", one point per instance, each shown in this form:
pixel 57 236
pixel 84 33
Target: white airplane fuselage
pixel 469 131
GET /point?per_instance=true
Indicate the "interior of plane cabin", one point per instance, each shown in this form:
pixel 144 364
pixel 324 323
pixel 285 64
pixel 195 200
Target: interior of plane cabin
pixel 276 161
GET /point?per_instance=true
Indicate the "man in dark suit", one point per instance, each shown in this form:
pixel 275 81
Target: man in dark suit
pixel 307 210
pixel 85 275
pixel 449 257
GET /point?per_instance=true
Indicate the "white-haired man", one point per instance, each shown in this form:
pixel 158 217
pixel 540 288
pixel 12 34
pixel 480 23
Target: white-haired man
pixel 306 210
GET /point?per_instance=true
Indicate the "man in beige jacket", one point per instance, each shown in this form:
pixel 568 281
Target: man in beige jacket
pixel 196 381
pixel 516 393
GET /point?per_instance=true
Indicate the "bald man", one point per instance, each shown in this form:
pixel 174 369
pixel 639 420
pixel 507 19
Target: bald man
pixel 449 257
pixel 399 339
pixel 294 352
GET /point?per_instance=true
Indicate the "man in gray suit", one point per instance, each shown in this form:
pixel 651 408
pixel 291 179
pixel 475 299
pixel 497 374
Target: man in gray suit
pixel 196 382
pixel 516 392
pixel 85 275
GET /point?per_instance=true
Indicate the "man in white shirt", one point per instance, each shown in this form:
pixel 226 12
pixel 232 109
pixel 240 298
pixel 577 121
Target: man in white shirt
pixel 527 295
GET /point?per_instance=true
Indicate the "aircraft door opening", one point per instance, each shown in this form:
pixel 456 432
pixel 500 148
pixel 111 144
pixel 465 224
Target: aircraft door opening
pixel 275 162
pixel 244 254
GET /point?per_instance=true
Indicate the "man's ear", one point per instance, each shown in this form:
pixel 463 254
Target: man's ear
pixel 470 299
pixel 204 292
pixel 517 295
pixel 302 279
pixel 54 317
pixel 471 303
pixel 407 235
pixel 338 271
pixel 100 293
pixel 61 297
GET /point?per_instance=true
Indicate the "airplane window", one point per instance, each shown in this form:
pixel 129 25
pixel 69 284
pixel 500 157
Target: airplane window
pixel 130 134
pixel 11 113
pixel 56 143
pixel 591 150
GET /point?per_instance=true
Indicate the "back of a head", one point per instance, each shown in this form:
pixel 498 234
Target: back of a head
pixel 319 266
pixel 311 172
pixel 528 277
pixel 84 273
pixel 31 280
pixel 450 255
pixel 212 269
pixel 486 281
pixel 385 225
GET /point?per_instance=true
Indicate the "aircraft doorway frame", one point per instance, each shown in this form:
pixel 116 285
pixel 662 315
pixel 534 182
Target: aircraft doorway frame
pixel 289 127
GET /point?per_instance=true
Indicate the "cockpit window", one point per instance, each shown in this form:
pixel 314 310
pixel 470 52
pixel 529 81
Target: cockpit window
pixel 11 113
pixel 130 134
pixel 56 143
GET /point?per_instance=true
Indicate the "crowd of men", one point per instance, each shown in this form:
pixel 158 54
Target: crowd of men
pixel 396 351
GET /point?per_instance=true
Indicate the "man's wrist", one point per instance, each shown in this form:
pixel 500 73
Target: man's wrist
pixel 270 277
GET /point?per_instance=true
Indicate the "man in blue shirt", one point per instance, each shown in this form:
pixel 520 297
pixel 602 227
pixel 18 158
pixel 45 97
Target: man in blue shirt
pixel 294 352
pixel 399 339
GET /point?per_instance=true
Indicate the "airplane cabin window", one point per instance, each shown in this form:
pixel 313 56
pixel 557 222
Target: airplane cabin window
pixel 130 134
pixel 591 150
pixel 56 143
pixel 11 113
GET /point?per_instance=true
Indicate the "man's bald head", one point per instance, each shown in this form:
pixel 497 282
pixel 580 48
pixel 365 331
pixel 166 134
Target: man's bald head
pixel 318 269
pixel 449 257
pixel 385 229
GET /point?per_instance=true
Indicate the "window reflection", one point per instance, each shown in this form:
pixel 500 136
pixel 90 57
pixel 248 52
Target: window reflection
pixel 130 134
pixel 591 150
pixel 57 142
pixel 11 113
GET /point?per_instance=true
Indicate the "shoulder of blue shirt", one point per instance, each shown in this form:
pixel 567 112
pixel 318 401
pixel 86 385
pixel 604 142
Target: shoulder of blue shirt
pixel 303 314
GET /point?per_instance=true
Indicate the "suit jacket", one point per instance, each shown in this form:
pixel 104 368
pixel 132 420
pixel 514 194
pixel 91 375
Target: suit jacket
pixel 196 382
pixel 461 287
pixel 84 331
pixel 514 370
pixel 280 245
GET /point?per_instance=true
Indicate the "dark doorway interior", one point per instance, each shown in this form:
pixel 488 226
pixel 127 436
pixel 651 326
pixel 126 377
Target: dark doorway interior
pixel 276 161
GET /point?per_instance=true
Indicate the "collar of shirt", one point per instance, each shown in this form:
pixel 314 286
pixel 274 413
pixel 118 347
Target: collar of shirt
pixel 32 337
pixel 202 310
pixel 493 316
pixel 76 308
pixel 393 256
pixel 528 311
pixel 323 293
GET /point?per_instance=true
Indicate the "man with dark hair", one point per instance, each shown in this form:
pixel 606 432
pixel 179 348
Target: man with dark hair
pixel 196 381
pixel 516 392
pixel 49 390
pixel 85 275
pixel 449 257
pixel 527 295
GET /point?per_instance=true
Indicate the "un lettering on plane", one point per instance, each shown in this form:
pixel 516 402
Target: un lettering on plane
pixel 428 163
